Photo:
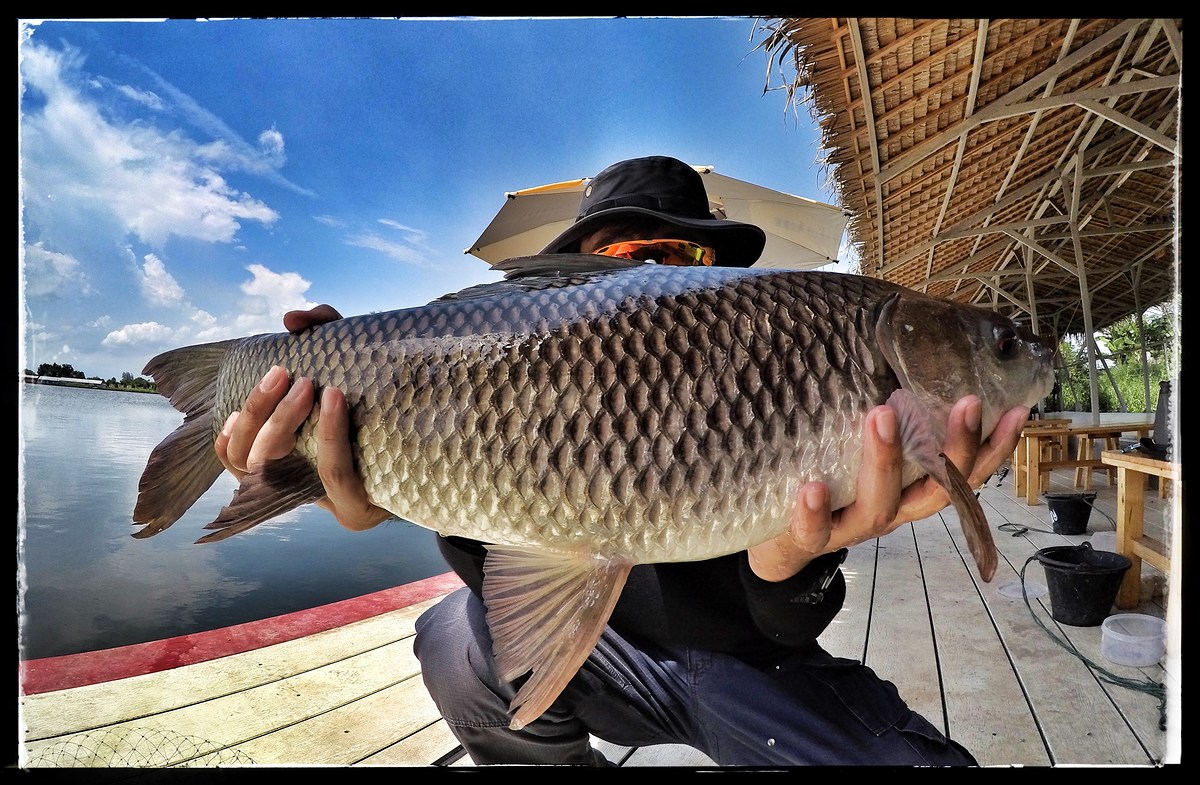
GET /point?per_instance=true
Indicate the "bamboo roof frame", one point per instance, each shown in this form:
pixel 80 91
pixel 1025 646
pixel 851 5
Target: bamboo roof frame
pixel 1028 165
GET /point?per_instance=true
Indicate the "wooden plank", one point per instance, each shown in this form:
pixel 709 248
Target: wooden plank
pixel 62 712
pixel 1132 694
pixel 350 732
pixel 427 746
pixel 973 664
pixel 1079 723
pixel 901 648
pixel 1142 463
pixel 233 719
pixel 669 755
pixel 615 753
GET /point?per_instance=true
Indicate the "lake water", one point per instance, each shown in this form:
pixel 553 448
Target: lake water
pixel 88 584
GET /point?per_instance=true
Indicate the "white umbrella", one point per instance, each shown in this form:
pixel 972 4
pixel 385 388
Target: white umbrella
pixel 801 233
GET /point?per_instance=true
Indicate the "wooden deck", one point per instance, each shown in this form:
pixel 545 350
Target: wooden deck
pixel 962 653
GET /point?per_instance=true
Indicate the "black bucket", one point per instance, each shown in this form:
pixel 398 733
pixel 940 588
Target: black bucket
pixel 1083 582
pixel 1069 512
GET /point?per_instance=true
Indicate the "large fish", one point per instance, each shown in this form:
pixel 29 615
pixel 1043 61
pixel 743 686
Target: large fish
pixel 587 414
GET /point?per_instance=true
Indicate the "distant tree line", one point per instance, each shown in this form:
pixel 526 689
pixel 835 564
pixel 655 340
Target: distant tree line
pixel 1121 386
pixel 65 371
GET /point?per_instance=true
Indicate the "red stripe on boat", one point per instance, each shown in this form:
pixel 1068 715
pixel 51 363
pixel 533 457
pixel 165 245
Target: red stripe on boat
pixel 92 667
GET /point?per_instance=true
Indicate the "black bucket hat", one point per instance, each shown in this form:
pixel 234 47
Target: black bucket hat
pixel 667 189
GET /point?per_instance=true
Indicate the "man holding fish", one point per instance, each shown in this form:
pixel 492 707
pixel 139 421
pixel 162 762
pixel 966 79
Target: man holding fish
pixel 720 654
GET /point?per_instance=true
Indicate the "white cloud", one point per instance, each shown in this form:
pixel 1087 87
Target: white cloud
pixel 268 296
pixel 154 183
pixel 145 97
pixel 413 235
pixel 283 289
pixel 396 250
pixel 51 274
pixel 158 286
pixel 270 144
pixel 203 319
pixel 142 333
pixel 412 247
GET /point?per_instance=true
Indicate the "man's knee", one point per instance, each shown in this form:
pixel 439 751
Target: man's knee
pixel 452 646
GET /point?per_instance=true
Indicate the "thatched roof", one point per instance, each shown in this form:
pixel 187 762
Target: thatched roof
pixel 1020 164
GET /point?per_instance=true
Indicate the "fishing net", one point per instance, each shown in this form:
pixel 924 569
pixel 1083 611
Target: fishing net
pixel 135 748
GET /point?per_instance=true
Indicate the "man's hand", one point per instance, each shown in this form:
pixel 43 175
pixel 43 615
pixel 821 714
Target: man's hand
pixel 881 505
pixel 265 429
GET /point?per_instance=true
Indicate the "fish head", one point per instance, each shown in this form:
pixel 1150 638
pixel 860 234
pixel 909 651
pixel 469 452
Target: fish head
pixel 941 351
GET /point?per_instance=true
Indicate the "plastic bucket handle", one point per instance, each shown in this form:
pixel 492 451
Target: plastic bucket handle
pixel 1048 561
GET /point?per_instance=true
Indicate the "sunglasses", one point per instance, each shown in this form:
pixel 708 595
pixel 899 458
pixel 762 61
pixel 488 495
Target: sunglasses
pixel 681 253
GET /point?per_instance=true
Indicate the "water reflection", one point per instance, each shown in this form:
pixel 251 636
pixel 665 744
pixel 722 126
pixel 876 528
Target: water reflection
pixel 90 585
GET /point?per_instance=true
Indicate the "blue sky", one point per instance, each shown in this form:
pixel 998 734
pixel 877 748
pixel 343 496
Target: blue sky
pixel 187 181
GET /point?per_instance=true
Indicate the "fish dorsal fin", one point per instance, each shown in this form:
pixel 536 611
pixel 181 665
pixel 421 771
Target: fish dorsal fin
pixel 922 438
pixel 546 611
pixel 277 487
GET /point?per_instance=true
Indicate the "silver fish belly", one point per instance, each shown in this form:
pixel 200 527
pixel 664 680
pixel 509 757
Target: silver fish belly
pixel 580 421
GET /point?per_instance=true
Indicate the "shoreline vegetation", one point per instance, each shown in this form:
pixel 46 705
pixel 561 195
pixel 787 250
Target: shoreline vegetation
pixel 67 376
pixel 92 384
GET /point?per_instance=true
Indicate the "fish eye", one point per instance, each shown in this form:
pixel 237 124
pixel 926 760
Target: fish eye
pixel 1006 340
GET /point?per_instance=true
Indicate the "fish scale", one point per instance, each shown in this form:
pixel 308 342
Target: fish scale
pixel 585 415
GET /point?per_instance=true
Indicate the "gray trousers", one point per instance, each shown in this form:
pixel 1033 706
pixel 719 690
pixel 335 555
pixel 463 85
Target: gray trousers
pixel 808 709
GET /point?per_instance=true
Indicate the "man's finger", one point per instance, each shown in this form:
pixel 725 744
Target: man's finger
pixel 296 321
pixel 878 491
pixel 346 497
pixel 222 446
pixel 259 405
pixel 963 433
pixel 999 445
pixel 277 436
pixel 806 537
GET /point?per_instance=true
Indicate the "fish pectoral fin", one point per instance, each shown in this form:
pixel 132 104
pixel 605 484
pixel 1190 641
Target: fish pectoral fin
pixel 546 611
pixel 974 523
pixel 920 436
pixel 279 486
pixel 922 439
pixel 180 469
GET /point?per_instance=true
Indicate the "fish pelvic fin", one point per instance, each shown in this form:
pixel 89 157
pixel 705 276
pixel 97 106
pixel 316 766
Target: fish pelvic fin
pixel 277 487
pixel 546 611
pixel 922 438
pixel 184 465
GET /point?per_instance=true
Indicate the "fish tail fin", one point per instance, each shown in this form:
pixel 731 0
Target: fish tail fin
pixel 922 440
pixel 184 465
pixel 546 611
pixel 187 377
pixel 279 486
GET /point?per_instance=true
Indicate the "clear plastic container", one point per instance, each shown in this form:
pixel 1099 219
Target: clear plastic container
pixel 1135 639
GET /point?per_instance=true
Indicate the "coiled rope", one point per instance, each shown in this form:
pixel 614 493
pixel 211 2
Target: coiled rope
pixel 1156 689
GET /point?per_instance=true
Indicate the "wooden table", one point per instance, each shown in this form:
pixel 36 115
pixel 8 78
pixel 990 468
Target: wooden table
pixel 1133 471
pixel 1032 471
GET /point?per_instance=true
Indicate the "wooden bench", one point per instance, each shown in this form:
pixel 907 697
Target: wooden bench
pixel 1133 473
pixel 1086 449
